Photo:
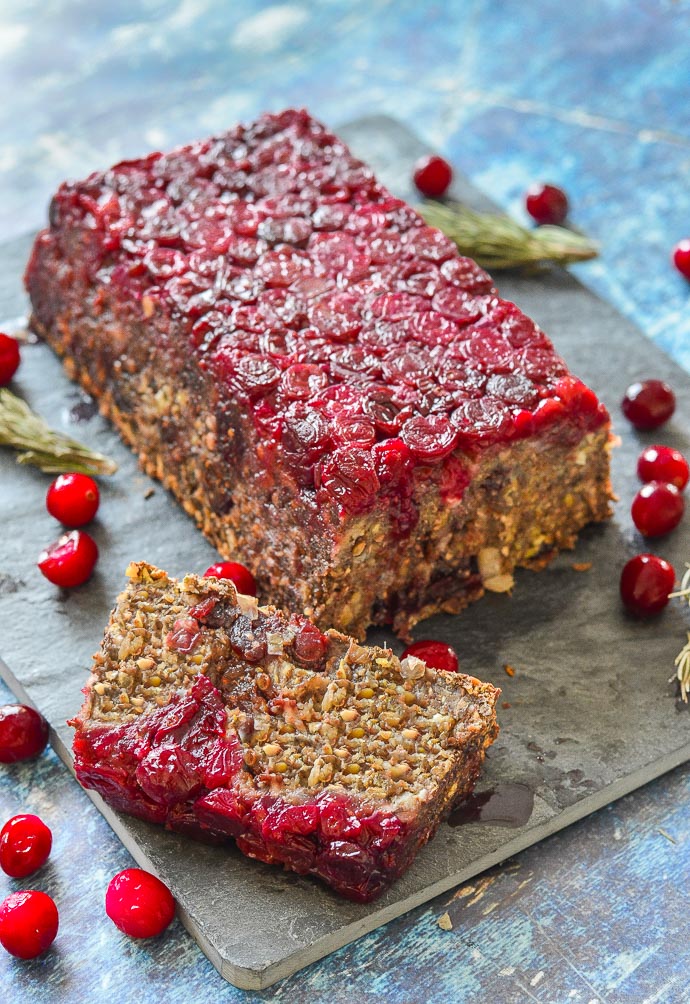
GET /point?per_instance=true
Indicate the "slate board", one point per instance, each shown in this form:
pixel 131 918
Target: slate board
pixel 592 713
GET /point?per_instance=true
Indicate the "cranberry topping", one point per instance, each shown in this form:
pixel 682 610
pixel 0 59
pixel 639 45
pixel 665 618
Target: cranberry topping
pixel 184 636
pixel 432 176
pixel 436 654
pixel 70 560
pixel 663 463
pixel 647 404
pixel 139 904
pixel 25 843
pixel 73 499
pixel 23 733
pixel 657 508
pixel 28 923
pixel 9 358
pixel 645 584
pixel 546 203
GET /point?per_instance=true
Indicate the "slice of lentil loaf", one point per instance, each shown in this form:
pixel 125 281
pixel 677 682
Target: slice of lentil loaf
pixel 219 718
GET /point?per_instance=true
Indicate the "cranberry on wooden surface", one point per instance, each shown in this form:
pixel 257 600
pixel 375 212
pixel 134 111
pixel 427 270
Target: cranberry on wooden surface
pixel 648 403
pixel 28 923
pixel 657 508
pixel 139 904
pixel 23 733
pixel 546 204
pixel 432 176
pixel 25 843
pixel 9 358
pixel 239 574
pixel 73 499
pixel 663 463
pixel 436 654
pixel 70 560
pixel 681 257
pixel 646 581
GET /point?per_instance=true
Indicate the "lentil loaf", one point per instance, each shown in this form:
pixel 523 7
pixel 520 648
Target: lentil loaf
pixel 220 718
pixel 334 394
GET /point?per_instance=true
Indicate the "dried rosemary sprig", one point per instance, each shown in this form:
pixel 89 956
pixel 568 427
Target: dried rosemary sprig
pixel 682 660
pixel 495 241
pixel 42 446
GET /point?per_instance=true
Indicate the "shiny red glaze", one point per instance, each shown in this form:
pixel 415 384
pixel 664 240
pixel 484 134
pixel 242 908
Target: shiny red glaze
pixel 9 358
pixel 648 404
pixel 432 176
pixel 657 508
pixel 70 560
pixel 139 904
pixel 546 204
pixel 28 923
pixel 436 654
pixel 681 257
pixel 23 733
pixel 73 499
pixel 25 843
pixel 239 574
pixel 663 463
pixel 646 581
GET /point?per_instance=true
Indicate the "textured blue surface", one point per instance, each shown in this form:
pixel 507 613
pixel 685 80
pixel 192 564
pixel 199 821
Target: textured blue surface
pixel 593 97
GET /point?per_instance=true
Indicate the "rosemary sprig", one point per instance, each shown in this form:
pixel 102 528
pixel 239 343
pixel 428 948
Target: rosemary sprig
pixel 496 241
pixel 42 446
pixel 682 660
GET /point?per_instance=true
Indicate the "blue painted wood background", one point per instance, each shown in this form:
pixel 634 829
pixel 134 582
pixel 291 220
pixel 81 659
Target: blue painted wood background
pixel 594 97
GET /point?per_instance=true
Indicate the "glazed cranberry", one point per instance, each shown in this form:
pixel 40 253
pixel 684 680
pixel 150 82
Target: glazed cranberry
pixel 663 463
pixel 546 203
pixel 28 923
pixel 646 581
pixel 139 904
pixel 681 257
pixel 648 404
pixel 70 560
pixel 23 733
pixel 25 843
pixel 436 654
pixel 241 576
pixel 73 499
pixel 9 358
pixel 432 176
pixel 657 508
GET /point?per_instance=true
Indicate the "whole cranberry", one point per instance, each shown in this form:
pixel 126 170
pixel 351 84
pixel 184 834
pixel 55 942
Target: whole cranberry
pixel 73 499
pixel 432 176
pixel 657 508
pixel 681 257
pixel 9 358
pixel 139 904
pixel 28 923
pixel 435 654
pixel 23 733
pixel 663 463
pixel 70 560
pixel 648 404
pixel 546 203
pixel 239 574
pixel 25 843
pixel 646 581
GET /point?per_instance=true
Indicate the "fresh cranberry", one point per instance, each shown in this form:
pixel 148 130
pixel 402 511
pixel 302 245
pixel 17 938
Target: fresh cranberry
pixel 139 904
pixel 25 843
pixel 9 358
pixel 241 576
pixel 681 257
pixel 648 404
pixel 432 176
pixel 28 923
pixel 70 560
pixel 646 581
pixel 73 499
pixel 663 463
pixel 436 654
pixel 657 508
pixel 546 203
pixel 23 733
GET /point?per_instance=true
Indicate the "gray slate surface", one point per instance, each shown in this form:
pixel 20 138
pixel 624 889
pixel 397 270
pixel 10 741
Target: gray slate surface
pixel 592 714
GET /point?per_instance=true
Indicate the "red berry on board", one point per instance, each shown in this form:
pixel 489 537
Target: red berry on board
pixel 73 499
pixel 657 508
pixel 432 176
pixel 436 654
pixel 28 923
pixel 546 203
pixel 139 904
pixel 23 733
pixel 9 358
pixel 663 463
pixel 648 404
pixel 239 574
pixel 681 257
pixel 25 843
pixel 646 581
pixel 70 560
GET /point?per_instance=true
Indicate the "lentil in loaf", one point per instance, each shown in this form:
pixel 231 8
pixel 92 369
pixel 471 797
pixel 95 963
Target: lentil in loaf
pixel 219 718
pixel 336 396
